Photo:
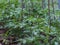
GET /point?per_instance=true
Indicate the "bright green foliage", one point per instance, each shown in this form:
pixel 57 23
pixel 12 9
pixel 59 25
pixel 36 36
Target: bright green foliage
pixel 30 25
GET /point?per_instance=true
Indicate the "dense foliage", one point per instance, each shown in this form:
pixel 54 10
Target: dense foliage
pixel 29 22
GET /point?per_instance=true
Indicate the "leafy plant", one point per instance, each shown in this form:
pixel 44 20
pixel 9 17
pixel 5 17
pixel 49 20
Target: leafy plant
pixel 29 22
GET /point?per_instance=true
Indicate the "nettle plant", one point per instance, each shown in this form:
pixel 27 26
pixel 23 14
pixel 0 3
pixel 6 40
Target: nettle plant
pixel 29 23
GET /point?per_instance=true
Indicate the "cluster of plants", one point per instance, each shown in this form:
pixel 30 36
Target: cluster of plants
pixel 29 23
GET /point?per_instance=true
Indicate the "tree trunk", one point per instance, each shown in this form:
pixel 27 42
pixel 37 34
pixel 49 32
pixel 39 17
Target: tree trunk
pixel 43 4
pixel 53 5
pixel 59 4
